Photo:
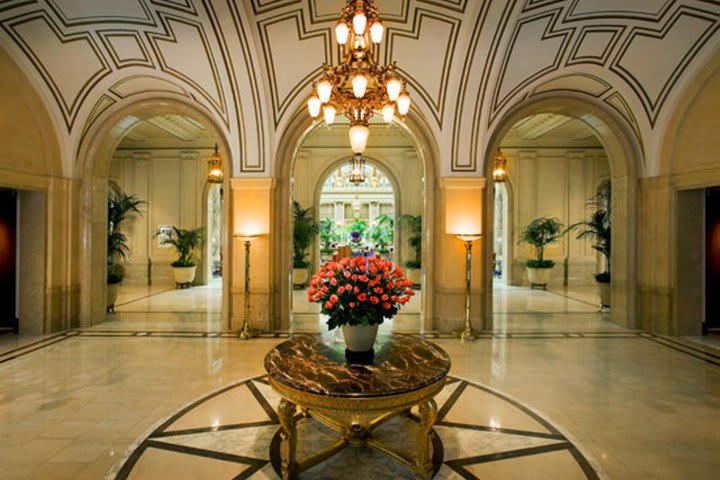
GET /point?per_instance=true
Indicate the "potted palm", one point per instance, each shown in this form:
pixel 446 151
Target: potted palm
pixel 121 207
pixel 328 237
pixel 304 230
pixel 597 228
pixel 382 233
pixel 540 233
pixel 357 230
pixel 413 267
pixel 186 244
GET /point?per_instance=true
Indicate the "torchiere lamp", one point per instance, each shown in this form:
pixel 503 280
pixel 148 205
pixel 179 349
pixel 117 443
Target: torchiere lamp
pixel 468 334
pixel 246 332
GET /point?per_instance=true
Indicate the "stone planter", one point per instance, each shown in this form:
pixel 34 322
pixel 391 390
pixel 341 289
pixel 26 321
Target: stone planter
pixel 414 275
pixel 538 277
pixel 184 276
pixel 112 295
pixel 359 338
pixel 604 291
pixel 300 277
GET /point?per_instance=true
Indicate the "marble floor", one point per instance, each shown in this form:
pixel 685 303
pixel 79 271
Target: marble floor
pixel 77 405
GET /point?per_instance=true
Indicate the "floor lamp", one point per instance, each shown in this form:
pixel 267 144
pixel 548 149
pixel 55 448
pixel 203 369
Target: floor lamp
pixel 468 334
pixel 246 332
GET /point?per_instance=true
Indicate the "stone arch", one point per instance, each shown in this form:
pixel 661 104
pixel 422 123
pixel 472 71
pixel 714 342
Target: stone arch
pixel 298 129
pixel 94 157
pixel 625 158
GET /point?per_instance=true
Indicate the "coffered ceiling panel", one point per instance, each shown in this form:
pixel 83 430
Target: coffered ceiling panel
pixel 76 12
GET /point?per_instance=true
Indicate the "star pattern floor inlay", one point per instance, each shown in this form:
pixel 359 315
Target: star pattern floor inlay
pixel 481 433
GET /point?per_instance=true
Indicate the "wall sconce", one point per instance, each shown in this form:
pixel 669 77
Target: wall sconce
pixel 500 167
pixel 215 172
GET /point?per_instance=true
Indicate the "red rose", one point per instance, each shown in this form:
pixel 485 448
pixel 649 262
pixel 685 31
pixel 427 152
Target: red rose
pixel 378 290
pixel 374 300
pixel 362 296
pixel 363 278
pixel 395 298
pixel 385 298
pixel 346 274
pixel 324 289
pixel 328 305
pixel 333 281
pixel 352 304
pixel 356 290
pixel 371 284
pixel 334 298
pixel 387 306
pixel 354 278
pixel 404 300
pixel 341 289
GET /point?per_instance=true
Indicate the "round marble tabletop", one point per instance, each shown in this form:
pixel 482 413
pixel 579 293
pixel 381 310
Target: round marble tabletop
pixel 315 365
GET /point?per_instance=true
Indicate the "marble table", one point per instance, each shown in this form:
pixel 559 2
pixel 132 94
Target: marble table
pixel 315 381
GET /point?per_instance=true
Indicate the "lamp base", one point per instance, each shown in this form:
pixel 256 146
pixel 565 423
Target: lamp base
pixel 246 334
pixel 468 335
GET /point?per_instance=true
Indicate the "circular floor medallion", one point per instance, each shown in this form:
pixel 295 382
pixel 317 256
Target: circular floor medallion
pixel 480 433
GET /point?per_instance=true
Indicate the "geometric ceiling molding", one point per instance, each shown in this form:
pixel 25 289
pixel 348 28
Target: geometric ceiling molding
pixel 616 101
pixel 78 12
pixel 101 105
pixel 430 40
pixel 288 48
pixel 126 48
pixel 534 4
pixel 51 52
pixel 184 52
pixel 621 9
pixel 185 6
pixel 536 48
pixel 456 5
pixel 594 45
pixel 329 10
pixel 579 83
pixel 538 125
pixel 653 76
pixel 263 6
pixel 139 84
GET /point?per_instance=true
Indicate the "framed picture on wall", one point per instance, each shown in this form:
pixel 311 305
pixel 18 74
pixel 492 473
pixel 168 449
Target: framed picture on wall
pixel 164 233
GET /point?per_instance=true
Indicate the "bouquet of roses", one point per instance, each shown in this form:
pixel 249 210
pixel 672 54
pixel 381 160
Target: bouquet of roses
pixel 359 290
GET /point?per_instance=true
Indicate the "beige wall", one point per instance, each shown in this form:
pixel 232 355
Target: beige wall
pixel 554 182
pixel 172 182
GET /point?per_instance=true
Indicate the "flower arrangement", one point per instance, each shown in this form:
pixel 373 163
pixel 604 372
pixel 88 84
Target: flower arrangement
pixel 359 290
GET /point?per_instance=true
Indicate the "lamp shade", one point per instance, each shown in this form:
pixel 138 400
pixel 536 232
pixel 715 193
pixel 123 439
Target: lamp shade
pixel 388 112
pixel 394 87
pixel 324 90
pixel 463 207
pixel 359 23
pixel 359 84
pixel 359 135
pixel 342 31
pixel 329 114
pixel 376 32
pixel 314 105
pixel 403 103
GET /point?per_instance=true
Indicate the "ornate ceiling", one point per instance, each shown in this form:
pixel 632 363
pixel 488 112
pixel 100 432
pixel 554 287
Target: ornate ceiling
pixel 249 63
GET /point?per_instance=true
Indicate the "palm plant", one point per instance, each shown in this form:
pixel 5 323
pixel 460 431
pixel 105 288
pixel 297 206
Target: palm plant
pixel 540 233
pixel 121 207
pixel 186 242
pixel 328 235
pixel 304 230
pixel 383 233
pixel 598 228
pixel 414 224
pixel 357 229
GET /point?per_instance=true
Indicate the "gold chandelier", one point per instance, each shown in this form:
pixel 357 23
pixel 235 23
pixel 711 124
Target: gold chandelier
pixel 215 173
pixel 359 87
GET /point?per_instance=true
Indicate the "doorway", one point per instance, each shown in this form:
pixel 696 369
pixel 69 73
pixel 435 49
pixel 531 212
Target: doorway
pixel 8 261
pixel 711 323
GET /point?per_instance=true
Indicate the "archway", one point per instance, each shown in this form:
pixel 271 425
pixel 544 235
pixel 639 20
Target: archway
pixel 424 151
pixel 624 156
pixel 96 154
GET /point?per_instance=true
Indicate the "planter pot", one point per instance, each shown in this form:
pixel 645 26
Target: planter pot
pixel 112 294
pixel 300 277
pixel 538 277
pixel 359 338
pixel 414 275
pixel 184 276
pixel 604 290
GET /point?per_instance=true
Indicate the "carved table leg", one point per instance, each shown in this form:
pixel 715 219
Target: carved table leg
pixel 428 413
pixel 286 414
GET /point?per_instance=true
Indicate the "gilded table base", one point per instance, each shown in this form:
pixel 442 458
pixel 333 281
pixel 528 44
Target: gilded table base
pixel 354 420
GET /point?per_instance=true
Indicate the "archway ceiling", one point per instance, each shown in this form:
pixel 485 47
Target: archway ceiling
pixel 550 130
pixel 250 63
pixel 168 131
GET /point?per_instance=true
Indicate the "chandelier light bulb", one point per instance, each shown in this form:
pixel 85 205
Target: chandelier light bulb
pixel 342 31
pixel 394 88
pixel 359 84
pixel 403 103
pixel 314 106
pixel 359 23
pixel 359 135
pixel 329 113
pixel 324 90
pixel 388 112
pixel 376 32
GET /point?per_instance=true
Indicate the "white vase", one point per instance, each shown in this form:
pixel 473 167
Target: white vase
pixel 414 275
pixel 184 275
pixel 538 276
pixel 360 338
pixel 300 276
